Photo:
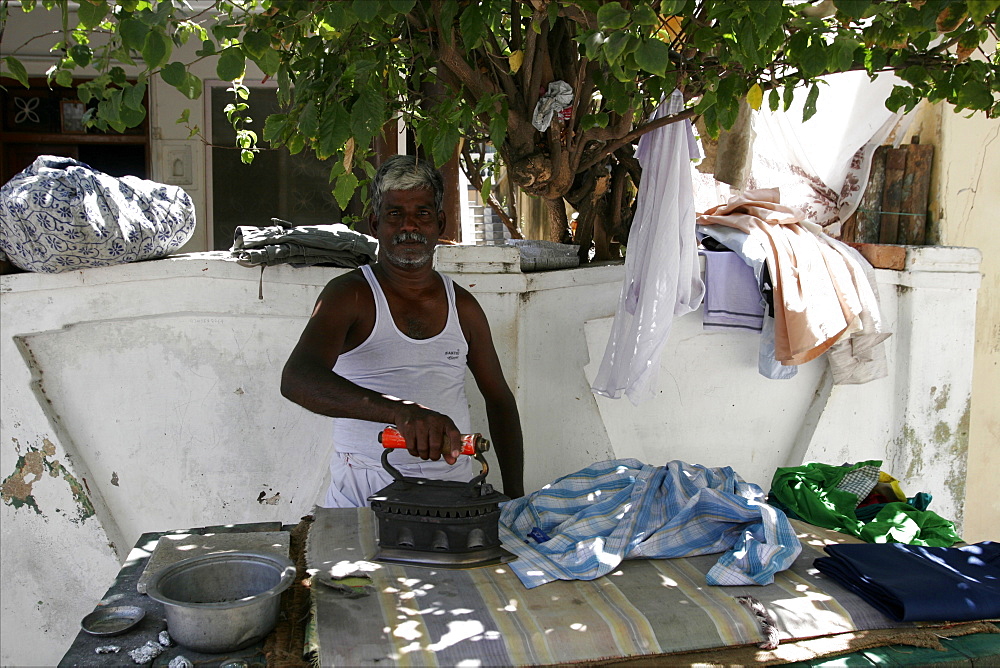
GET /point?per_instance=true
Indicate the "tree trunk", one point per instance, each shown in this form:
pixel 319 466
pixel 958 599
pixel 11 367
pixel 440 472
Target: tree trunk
pixel 558 227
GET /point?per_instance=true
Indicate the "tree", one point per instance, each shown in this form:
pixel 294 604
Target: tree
pixel 469 73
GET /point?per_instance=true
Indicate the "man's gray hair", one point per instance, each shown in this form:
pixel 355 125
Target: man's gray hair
pixel 406 172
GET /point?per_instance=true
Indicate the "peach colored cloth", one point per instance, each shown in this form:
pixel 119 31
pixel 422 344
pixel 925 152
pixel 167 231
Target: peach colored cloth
pixel 820 290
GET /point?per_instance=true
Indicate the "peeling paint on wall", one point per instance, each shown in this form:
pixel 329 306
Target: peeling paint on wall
pixel 262 499
pixel 17 488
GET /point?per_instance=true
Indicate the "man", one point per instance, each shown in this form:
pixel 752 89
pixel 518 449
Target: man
pixel 389 343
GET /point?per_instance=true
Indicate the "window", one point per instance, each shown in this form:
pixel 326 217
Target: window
pixel 294 188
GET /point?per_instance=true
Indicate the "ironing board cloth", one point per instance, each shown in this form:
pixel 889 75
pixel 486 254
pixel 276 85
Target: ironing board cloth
pixel 412 615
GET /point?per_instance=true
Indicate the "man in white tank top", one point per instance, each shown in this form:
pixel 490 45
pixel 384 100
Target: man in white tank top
pixel 388 344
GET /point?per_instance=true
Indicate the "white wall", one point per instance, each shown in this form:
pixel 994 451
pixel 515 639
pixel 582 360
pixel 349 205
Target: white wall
pixel 145 397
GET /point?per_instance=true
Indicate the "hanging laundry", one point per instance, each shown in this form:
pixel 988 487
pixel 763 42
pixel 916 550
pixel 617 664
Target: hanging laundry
pixel 584 524
pixel 662 273
pixel 556 99
pixel 820 288
pixel 732 296
pixel 751 251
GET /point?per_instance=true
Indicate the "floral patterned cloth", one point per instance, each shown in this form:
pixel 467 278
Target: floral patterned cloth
pixel 60 214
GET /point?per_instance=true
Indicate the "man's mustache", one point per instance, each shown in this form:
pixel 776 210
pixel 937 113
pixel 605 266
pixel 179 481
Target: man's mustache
pixel 404 237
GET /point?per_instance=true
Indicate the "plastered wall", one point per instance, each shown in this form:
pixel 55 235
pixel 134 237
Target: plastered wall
pixel 144 397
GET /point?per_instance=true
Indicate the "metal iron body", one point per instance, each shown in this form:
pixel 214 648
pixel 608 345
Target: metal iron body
pixel 440 523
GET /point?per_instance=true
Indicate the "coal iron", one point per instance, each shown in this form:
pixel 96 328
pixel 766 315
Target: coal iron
pixel 441 523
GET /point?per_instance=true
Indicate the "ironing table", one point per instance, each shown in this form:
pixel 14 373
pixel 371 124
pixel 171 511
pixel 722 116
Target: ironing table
pixel 393 614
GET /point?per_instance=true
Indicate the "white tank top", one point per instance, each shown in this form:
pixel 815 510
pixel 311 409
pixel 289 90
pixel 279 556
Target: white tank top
pixel 430 372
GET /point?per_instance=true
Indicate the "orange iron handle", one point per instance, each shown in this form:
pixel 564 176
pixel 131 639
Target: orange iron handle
pixel 471 443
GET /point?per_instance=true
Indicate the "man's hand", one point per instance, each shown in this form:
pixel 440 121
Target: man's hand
pixel 428 434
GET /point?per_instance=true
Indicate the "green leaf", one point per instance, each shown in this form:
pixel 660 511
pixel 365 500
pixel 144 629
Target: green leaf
pixel 17 70
pixel 347 184
pixel 843 52
pixel 133 95
pixel 447 17
pixel 402 6
pixel 132 117
pixel 809 108
pixel 814 59
pixel 498 128
pixel 653 56
pixel 444 144
pixel 133 33
pixel 615 45
pixel 269 63
pixel 612 16
pixel 117 76
pixel 365 10
pixel 309 119
pixel 64 78
pixel 773 99
pixel 232 64
pixel 191 87
pixel 334 129
pixel 787 95
pixel 256 43
pixel 81 54
pixel 980 9
pixel 207 48
pixel 672 7
pixel 91 12
pixel 854 9
pixel 156 49
pixel 173 73
pixel 472 26
pixel 274 128
pixel 644 15
pixel 592 43
pixel 368 112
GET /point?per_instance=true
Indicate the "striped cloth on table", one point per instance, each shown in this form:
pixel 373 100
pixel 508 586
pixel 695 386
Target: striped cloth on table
pixel 621 509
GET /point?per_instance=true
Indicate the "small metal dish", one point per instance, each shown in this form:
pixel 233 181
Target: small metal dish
pixel 112 620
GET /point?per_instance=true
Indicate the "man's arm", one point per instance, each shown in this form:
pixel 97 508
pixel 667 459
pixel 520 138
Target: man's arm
pixel 341 320
pixel 501 408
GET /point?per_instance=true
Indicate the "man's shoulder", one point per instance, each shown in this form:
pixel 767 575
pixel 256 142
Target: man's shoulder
pixel 352 280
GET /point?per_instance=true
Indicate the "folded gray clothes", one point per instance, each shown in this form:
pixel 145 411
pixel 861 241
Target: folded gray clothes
pixel 303 246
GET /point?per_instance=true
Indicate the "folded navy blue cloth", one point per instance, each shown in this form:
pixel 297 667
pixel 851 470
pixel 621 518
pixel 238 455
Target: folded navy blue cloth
pixel 913 583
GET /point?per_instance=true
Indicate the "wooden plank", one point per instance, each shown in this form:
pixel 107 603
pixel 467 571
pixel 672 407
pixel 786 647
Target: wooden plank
pixel 867 217
pixel 892 195
pixel 882 256
pixel 916 190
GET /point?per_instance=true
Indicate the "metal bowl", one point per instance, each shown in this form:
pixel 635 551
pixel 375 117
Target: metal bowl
pixel 222 602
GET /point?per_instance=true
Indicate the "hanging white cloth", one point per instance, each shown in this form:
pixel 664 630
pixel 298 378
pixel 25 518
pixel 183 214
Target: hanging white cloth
pixel 662 274
pixel 822 165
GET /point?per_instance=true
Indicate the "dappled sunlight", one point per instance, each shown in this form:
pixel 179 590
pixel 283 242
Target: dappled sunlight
pixel 668 581
pixel 408 630
pixel 458 631
pixel 344 569
pixel 577 626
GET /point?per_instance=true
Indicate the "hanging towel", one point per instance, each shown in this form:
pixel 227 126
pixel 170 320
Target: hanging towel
pixel 662 273
pixel 920 584
pixel 583 525
pixel 732 296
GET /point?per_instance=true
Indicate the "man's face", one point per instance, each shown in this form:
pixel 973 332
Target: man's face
pixel 407 227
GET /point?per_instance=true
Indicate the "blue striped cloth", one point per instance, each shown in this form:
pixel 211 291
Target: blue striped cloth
pixel 623 509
